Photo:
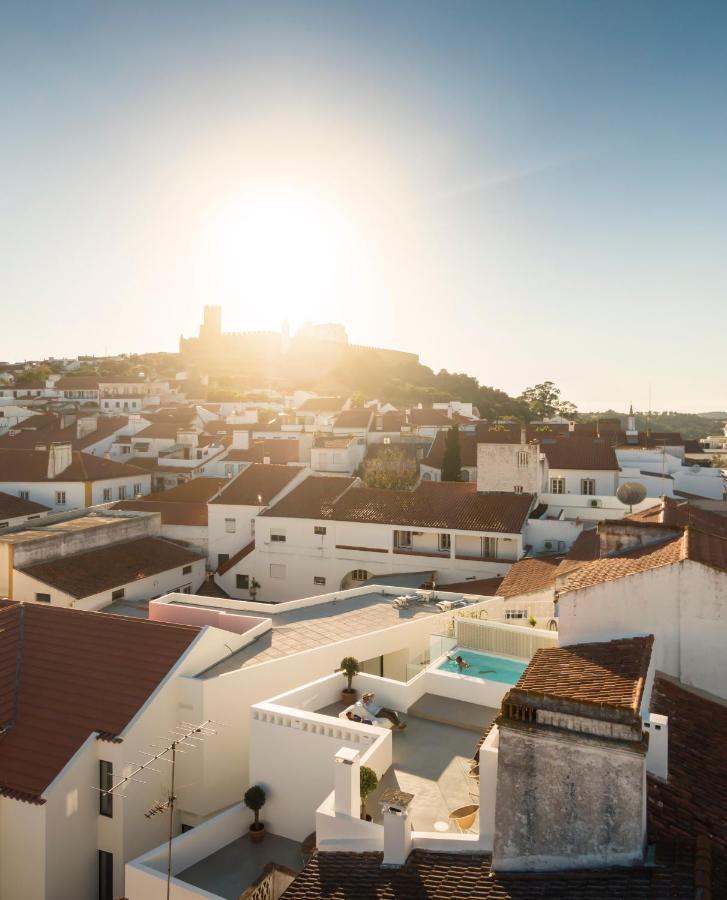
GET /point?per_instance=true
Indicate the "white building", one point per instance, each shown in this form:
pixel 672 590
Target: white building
pixel 341 454
pixel 14 511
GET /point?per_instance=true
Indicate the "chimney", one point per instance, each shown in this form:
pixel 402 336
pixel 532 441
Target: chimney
pixel 86 425
pixel 523 434
pixel 240 440
pixel 347 783
pixel 266 460
pixel 397 826
pixel 657 756
pixel 60 457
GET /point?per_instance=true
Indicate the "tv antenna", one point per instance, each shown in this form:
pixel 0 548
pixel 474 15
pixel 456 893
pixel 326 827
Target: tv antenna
pixel 185 735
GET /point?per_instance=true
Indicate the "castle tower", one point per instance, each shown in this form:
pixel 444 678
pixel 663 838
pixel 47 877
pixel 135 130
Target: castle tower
pixel 211 328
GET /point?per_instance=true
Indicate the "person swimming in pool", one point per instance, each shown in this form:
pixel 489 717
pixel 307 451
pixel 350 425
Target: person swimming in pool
pixel 461 664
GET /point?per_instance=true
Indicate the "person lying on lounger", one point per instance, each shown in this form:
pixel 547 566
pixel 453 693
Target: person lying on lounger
pixel 461 664
pixel 380 712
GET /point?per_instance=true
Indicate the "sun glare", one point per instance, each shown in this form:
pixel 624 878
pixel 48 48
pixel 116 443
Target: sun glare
pixel 286 250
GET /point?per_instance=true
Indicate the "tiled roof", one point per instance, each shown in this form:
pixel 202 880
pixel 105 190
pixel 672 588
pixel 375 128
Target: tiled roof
pixel 160 431
pixel 391 421
pixel 467 450
pixel 177 513
pixel 354 418
pixel 235 559
pixel 586 547
pixel 529 575
pixel 693 800
pixel 257 485
pixel 31 433
pixel 197 490
pixel 692 544
pixel 279 451
pixel 312 498
pixel 112 566
pixel 452 505
pixel 608 673
pixel 11 507
pixel 81 672
pixel 428 875
pixel 78 383
pixel 429 417
pixel 321 404
pixel 670 511
pixel 581 453
pixel 333 441
pixel 32 465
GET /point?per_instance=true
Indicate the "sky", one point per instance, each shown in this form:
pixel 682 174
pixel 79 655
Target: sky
pixel 517 190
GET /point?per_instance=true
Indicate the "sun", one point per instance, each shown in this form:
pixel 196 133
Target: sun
pixel 286 250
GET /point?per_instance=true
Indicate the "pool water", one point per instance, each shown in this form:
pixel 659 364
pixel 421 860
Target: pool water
pixel 485 666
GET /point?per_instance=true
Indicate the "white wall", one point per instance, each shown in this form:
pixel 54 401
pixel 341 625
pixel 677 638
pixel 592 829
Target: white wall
pixel 606 482
pixel 22 850
pixel 498 469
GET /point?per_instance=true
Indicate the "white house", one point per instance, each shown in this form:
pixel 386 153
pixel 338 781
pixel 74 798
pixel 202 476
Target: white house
pixel 15 511
pixel 61 478
pixel 340 453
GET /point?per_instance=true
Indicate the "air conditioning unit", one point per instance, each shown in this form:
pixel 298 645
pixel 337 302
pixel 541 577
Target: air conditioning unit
pixel 595 503
pixel 550 545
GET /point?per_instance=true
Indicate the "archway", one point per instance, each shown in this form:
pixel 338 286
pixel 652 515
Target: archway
pixel 355 578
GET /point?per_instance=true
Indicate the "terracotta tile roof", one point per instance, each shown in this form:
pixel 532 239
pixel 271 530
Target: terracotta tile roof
pixel 670 511
pixel 484 587
pixel 581 453
pixel 279 451
pixel 177 513
pixel 312 499
pixel 80 672
pixel 334 441
pixel 430 417
pixel 428 875
pixel 692 544
pixel 321 404
pixel 112 566
pixel 467 450
pixel 160 431
pixel 78 383
pixel 609 673
pixel 354 418
pixel 452 505
pixel 258 485
pixel 693 800
pixel 530 575
pixel 197 490
pixel 11 506
pixel 32 465
pixel 235 559
pixel 31 433
pixel 586 547
pixel 390 421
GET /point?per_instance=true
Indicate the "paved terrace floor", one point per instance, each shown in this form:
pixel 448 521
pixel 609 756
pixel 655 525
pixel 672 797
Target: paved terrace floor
pixel 315 626
pixel 227 872
pixel 431 759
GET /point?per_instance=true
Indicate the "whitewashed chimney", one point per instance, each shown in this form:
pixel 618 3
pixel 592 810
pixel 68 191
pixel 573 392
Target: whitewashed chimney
pixel 241 440
pixel 657 756
pixel 347 782
pixel 86 425
pixel 60 457
pixel 397 826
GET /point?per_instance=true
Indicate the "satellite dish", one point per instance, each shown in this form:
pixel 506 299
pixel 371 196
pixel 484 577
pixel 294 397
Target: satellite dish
pixel 631 492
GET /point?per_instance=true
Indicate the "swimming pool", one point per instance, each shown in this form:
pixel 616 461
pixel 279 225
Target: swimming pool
pixel 485 666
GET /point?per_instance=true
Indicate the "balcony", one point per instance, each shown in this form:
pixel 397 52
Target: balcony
pixel 415 551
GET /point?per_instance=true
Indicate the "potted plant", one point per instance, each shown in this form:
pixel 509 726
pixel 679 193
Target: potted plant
pixel 533 621
pixel 254 799
pixel 254 588
pixel 349 667
pixel 368 782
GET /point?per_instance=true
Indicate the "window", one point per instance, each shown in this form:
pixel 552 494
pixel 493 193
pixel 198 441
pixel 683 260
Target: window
pixel 137 488
pixel 60 498
pixel 488 548
pixel 514 613
pixel 277 571
pixel 230 526
pixel 319 529
pixel 359 575
pixel 24 495
pixel 522 459
pixel 402 539
pixel 105 875
pixel 107 495
pixel 43 598
pixel 184 589
pixel 319 579
pixel 518 488
pixel 186 570
pixel 557 485
pixel 229 469
pixel 118 594
pixel 122 492
pixel 242 582
pixel 105 782
pixel 445 541
pixel 4 524
pixel 277 536
pixel 588 486
pixel 222 559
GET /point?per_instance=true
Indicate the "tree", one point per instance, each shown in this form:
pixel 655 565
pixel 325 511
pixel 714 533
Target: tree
pixel 357 400
pixel 254 800
pixel 368 781
pixel 350 667
pixel 543 401
pixel 452 460
pixel 35 375
pixel 391 469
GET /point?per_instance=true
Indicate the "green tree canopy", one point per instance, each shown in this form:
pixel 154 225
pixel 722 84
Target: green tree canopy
pixel 543 401
pixel 452 459
pixel 391 469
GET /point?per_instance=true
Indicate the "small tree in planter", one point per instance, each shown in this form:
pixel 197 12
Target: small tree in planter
pixel 254 799
pixel 368 782
pixel 533 621
pixel 349 667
